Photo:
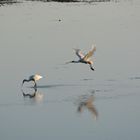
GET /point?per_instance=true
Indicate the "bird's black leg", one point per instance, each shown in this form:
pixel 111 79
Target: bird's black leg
pixel 35 86
pixel 91 67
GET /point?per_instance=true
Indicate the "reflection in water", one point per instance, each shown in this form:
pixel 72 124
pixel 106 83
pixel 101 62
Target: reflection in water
pixel 86 102
pixel 34 97
pixel 135 78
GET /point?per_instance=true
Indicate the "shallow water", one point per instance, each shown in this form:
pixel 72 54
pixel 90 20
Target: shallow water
pixel 71 102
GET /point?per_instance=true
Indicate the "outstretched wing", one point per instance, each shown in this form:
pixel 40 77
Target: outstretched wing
pixel 79 53
pixel 90 53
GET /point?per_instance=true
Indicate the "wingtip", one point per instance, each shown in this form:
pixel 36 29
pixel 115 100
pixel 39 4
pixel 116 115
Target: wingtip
pixel 93 46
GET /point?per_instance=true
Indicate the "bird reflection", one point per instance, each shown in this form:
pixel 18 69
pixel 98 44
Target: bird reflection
pixel 86 102
pixel 35 97
pixel 30 95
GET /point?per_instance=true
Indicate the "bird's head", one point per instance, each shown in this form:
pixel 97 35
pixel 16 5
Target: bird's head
pixel 37 77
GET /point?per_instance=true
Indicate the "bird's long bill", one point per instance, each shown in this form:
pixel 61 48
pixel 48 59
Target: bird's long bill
pixel 41 77
pixel 68 62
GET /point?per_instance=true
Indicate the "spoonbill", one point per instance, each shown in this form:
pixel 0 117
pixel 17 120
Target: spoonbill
pixel 84 58
pixel 33 78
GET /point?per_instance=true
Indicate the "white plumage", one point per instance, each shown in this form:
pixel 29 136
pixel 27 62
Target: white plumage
pixel 86 59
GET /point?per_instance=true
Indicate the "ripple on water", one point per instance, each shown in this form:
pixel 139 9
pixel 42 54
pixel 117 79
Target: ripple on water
pixel 135 78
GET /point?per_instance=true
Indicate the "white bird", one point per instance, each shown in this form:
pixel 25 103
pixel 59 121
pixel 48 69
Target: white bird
pixel 33 78
pixel 84 58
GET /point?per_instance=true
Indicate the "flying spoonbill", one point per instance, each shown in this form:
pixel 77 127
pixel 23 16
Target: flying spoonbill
pixel 84 58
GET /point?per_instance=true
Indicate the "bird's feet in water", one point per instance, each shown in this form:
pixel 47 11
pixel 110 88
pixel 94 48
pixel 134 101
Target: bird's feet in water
pixel 35 86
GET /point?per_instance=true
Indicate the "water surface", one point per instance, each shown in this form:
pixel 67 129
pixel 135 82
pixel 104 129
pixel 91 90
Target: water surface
pixel 71 102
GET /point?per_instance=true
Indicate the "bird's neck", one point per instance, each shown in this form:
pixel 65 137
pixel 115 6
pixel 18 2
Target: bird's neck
pixel 28 80
pixel 25 80
pixel 75 61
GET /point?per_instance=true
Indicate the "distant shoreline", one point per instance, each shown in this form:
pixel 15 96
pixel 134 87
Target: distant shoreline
pixel 3 2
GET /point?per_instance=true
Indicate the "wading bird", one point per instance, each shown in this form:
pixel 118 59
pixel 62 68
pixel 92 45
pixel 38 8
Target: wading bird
pixel 33 78
pixel 84 58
